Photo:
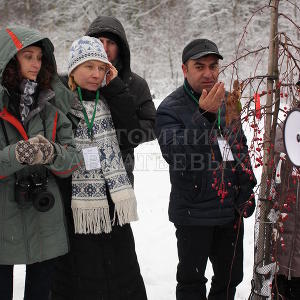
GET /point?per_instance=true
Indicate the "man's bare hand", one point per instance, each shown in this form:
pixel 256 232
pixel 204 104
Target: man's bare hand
pixel 212 101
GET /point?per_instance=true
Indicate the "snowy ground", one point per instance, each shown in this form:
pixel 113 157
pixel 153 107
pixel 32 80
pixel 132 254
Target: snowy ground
pixel 155 235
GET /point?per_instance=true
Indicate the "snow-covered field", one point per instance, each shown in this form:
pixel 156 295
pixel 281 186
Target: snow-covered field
pixel 155 235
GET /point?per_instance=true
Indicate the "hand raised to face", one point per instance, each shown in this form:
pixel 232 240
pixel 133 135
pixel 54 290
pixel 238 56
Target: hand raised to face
pixel 111 74
pixel 212 101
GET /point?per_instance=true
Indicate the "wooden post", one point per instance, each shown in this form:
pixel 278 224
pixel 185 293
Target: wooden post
pixel 263 244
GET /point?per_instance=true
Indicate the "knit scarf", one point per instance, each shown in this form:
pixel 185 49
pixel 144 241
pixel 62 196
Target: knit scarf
pixel 89 199
pixel 27 89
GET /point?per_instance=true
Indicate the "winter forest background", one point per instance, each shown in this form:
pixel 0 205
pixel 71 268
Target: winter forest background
pixel 157 32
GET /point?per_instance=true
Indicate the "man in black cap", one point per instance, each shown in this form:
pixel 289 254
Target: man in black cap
pixel 211 190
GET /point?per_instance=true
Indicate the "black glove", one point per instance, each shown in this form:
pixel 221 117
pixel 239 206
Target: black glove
pixel 247 208
pixel 245 202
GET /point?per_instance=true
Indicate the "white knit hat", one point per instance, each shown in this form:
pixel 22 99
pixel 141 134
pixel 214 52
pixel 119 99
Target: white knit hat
pixel 84 49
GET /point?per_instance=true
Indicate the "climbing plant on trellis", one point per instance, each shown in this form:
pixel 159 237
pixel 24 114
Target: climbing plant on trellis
pixel 266 97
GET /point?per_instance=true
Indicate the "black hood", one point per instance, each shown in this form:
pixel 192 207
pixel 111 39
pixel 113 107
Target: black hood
pixel 112 25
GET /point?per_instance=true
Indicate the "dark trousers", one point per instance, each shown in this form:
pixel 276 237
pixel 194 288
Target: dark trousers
pixel 198 243
pixel 37 281
pixel 286 289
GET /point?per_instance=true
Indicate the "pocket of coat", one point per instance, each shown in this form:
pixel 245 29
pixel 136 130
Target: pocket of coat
pixel 192 190
pixel 11 230
pixel 12 233
pixel 52 220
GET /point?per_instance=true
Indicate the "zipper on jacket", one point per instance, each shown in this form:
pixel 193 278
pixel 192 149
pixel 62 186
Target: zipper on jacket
pixel 295 232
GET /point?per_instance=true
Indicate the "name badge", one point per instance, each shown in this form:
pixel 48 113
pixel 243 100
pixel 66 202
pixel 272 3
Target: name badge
pixel 225 149
pixel 91 158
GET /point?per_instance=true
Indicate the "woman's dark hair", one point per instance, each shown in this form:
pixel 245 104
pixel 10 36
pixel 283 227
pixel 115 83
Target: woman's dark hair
pixel 12 75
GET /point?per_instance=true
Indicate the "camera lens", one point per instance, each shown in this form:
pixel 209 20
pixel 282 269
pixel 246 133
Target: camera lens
pixel 43 201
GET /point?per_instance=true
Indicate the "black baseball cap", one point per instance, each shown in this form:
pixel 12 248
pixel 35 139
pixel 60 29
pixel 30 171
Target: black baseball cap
pixel 199 48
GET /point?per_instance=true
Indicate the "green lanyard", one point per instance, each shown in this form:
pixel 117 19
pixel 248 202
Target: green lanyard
pixel 197 101
pixel 86 118
pixel 191 95
pixel 219 120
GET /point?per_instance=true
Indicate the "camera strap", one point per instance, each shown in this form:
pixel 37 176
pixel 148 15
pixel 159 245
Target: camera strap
pixel 6 137
pixel 43 116
pixel 4 132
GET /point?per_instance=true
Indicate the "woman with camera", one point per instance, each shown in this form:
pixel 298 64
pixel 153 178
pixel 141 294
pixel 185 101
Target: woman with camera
pixel 102 263
pixel 36 146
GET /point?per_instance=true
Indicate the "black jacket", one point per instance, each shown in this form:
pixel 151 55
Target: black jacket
pixel 138 88
pixel 188 141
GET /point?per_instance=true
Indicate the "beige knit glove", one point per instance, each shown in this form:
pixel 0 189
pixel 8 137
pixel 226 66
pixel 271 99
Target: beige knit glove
pixel 45 147
pixel 28 153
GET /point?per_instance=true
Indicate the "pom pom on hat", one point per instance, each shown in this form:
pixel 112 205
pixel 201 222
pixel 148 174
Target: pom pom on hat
pixel 84 49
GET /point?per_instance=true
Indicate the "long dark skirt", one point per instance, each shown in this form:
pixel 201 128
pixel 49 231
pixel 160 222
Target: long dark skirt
pixel 102 267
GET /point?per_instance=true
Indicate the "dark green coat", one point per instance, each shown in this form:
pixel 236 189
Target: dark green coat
pixel 26 235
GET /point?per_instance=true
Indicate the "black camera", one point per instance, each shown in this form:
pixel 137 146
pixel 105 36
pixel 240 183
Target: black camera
pixel 32 190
